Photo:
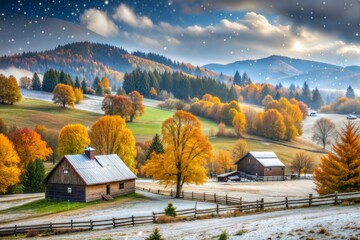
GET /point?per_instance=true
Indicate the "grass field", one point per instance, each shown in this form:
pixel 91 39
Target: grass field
pixel 30 112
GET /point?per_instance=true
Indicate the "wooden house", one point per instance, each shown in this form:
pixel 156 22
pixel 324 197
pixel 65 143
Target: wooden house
pixel 86 177
pixel 264 165
pixel 229 176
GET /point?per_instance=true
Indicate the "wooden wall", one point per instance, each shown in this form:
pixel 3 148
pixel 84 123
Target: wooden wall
pixel 251 166
pixel 275 171
pixel 60 192
pixel 94 192
pixel 59 177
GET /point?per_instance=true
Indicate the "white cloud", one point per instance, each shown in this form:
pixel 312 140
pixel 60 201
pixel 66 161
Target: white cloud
pixel 127 15
pixel 98 21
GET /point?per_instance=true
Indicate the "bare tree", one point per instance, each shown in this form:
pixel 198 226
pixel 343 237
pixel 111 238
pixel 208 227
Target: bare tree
pixel 323 131
pixel 303 162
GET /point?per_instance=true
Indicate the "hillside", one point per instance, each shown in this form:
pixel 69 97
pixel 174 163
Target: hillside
pixel 88 60
pixel 276 69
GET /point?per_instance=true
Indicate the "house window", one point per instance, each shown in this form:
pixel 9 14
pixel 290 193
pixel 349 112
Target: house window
pixel 121 186
pixel 269 168
pixel 282 169
pixel 249 160
pixel 66 171
pixel 69 190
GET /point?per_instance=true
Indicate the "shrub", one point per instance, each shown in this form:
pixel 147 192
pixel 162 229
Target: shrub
pixel 155 235
pixel 32 233
pixel 170 210
pixel 241 232
pixel 224 236
pixel 170 219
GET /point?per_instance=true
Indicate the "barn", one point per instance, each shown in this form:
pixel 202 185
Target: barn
pixel 86 177
pixel 261 166
pixel 229 176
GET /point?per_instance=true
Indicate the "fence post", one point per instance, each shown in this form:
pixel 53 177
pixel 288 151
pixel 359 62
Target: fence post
pixel 50 225
pixel 71 224
pixel 215 197
pixel 262 204
pixel 310 200
pixel 149 190
pixel 171 193
pixel 286 202
pixel 195 209
pixel 91 225
pixel 15 230
pixel 336 198
pixel 226 199
pixel 192 195
pixel 158 191
pixel 257 205
pixel 154 217
pixel 204 197
pixel 113 222
pixel 133 220
pixel 217 209
pixel 240 208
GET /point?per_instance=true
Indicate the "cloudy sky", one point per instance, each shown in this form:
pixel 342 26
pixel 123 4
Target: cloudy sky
pixel 208 31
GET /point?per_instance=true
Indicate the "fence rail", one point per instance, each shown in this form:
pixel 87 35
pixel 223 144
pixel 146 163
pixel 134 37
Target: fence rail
pixel 259 205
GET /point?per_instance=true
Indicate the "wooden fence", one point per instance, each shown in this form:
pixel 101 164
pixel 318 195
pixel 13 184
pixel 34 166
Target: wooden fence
pixel 259 205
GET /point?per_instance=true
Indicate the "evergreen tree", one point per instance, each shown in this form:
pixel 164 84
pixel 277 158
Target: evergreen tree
pixel 62 77
pixel 221 77
pixel 170 210
pixel 277 96
pixel 50 80
pixel 156 146
pixel 306 94
pixel 35 82
pixel 155 235
pixel 33 177
pixel 317 100
pixel 96 82
pixel 245 79
pixel 350 93
pixel 339 169
pixel 77 83
pixel 233 94
pixel 292 87
pixel 237 79
pixel 83 86
pixel 99 90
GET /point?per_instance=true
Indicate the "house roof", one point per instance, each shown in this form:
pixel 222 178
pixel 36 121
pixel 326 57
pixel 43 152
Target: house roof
pixel 102 169
pixel 267 159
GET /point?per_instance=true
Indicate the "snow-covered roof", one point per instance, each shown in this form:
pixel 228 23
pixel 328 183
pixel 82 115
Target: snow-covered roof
pixel 267 159
pixel 226 174
pixel 102 169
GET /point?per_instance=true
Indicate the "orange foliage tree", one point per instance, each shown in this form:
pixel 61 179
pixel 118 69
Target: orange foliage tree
pixel 239 123
pixel 240 148
pixel 273 124
pixel 186 152
pixel 29 146
pixel 109 135
pixel 117 105
pixel 73 138
pixel 9 90
pixel 64 95
pixel 79 96
pixel 339 170
pixel 223 162
pixel 137 105
pixel 9 161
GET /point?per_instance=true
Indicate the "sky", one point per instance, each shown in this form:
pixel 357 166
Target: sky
pixel 211 31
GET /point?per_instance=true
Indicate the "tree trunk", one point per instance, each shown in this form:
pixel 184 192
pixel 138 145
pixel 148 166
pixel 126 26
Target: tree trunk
pixel 178 186
pixel 131 117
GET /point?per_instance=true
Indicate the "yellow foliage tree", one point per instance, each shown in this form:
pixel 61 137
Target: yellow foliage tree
pixel 29 146
pixel 339 170
pixel 186 152
pixel 9 161
pixel 239 123
pixel 73 138
pixel 79 96
pixel 64 95
pixel 9 90
pixel 273 124
pixel 241 148
pixel 153 92
pixel 223 162
pixel 109 135
pixel 137 105
pixel 105 82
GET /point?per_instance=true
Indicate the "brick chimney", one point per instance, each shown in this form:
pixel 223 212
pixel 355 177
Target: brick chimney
pixel 90 152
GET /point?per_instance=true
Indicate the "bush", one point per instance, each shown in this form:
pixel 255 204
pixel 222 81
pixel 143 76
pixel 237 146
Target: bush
pixel 224 236
pixel 155 235
pixel 32 233
pixel 170 219
pixel 170 210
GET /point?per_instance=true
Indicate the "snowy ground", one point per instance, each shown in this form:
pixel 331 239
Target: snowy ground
pixel 13 200
pixel 341 222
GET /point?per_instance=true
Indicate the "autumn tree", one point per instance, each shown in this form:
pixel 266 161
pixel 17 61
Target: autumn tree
pixel 33 177
pixel 25 82
pixel 29 146
pixel 64 95
pixel 339 170
pixel 186 152
pixel 239 123
pixel 240 148
pixel 268 98
pixel 137 105
pixel 303 162
pixel 223 162
pixel 72 139
pixel 153 93
pixel 117 105
pixel 3 127
pixel 9 161
pixel 273 124
pixel 323 131
pixel 109 135
pixel 35 82
pixel 9 90
pixel 78 94
pixel 156 146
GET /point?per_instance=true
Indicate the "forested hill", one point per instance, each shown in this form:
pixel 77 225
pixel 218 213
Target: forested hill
pixel 88 60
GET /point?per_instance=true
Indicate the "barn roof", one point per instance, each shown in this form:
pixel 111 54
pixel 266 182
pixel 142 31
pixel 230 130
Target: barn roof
pixel 102 169
pixel 267 159
pixel 227 174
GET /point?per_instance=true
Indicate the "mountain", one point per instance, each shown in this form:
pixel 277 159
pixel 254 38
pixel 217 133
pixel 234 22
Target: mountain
pixel 276 69
pixel 88 60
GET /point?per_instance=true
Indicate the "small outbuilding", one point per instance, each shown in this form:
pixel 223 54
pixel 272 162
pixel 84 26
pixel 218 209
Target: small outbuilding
pixel 86 177
pixel 232 176
pixel 261 166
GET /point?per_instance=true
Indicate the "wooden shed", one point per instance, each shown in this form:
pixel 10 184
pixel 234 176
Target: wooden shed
pixel 264 165
pixel 86 177
pixel 232 176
